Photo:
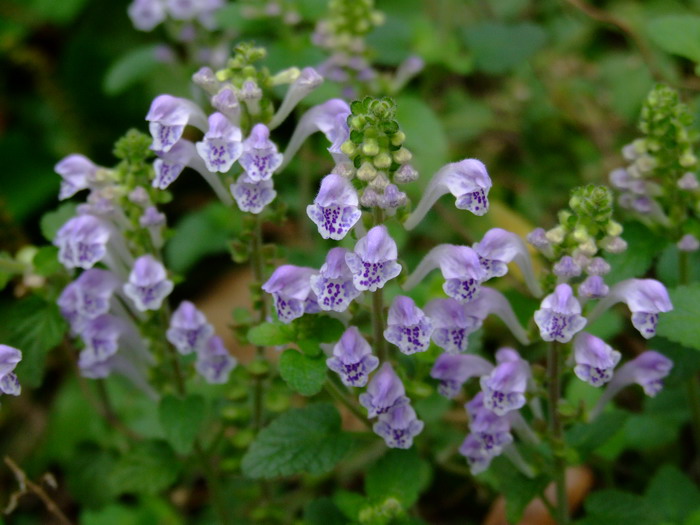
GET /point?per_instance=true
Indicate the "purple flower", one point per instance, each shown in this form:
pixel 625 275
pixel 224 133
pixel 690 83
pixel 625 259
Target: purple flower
pixel 595 360
pixel 593 288
pixel 148 284
pixel 306 82
pixel 688 181
pixel 82 241
pixel 460 267
pixel 168 117
pixel 78 173
pixel 335 209
pixel 497 248
pixel 206 79
pixel 9 358
pixel 392 198
pixel 398 426
pixel 504 388
pixel 221 145
pixel 260 158
pixel 225 101
pixel 407 326
pixel 333 285
pixel 290 287
pixel 453 370
pixel 452 324
pixel 476 453
pixel 170 164
pixel 467 180
pixel 352 358
pixel 373 262
pixel 566 268
pixel 189 329
pixel 492 429
pixel 87 297
pixel 559 316
pixel 151 217
pixel 183 9
pixel 598 266
pixel 101 337
pixel 645 298
pixel 146 14
pixel 214 363
pixel 688 243
pixel 252 197
pixel 384 391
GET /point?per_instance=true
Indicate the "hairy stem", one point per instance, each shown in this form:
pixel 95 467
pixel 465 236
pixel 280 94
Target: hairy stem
pixel 556 432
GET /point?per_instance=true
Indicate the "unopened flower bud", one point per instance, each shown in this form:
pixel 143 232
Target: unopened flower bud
pixel 402 156
pixel 382 161
pixel 614 229
pixel 555 235
pixel 370 148
pixel 366 172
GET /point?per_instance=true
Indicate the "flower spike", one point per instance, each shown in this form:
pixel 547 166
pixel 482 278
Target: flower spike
pixel 335 209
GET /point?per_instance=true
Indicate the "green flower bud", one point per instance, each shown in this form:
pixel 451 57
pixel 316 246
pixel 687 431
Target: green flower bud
pixel 366 172
pixel 402 156
pixel 370 148
pixel 382 161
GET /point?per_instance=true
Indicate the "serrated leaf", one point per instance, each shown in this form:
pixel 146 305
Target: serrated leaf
pixel 149 467
pixel 399 473
pixel 673 493
pixel 181 420
pixel 680 324
pixel 305 439
pixel 302 373
pixel 677 34
pixel 129 69
pixel 614 507
pixel 271 334
pixel 52 221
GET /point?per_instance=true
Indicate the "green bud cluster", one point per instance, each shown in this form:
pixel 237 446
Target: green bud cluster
pixel 347 22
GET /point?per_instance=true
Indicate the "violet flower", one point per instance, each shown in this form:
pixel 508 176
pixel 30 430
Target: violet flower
pixel 407 326
pixel 453 370
pixel 82 241
pixel 252 197
pixel 335 209
pixel 214 363
pixel 221 145
pixel 452 324
pixel 168 117
pixel 189 329
pixel 595 360
pixel 148 284
pixel 477 455
pixel 566 268
pixel 334 283
pixel 306 82
pixel 460 268
pixel 290 287
pixel 688 243
pixel 226 102
pixel 9 358
pixel 385 390
pixel 646 299
pixel 492 429
pixel 467 180
pixel 260 158
pixel 593 287
pixel 504 388
pixel 146 14
pixel 101 337
pixel 373 262
pixel 78 173
pixel 87 297
pixel 398 426
pixel 352 358
pixel 559 317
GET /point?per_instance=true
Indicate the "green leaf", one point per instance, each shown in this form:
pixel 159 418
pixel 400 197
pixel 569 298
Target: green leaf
pixel 61 12
pixel 586 437
pixel 499 48
pixel 52 221
pixel 271 334
pixel 305 439
pixel 149 467
pixel 323 512
pixel 46 261
pixel 673 494
pixel 681 324
pixel 312 330
pixel 302 373
pixel 614 507
pixel 643 247
pixel 181 420
pixel 349 503
pixel 425 135
pixel 401 474
pixel 129 69
pixel 677 34
pixel 89 478
pixel 35 327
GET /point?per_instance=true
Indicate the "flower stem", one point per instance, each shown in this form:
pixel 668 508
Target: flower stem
pixel 556 432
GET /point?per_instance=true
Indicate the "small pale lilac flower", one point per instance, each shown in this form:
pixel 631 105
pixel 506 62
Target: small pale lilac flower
pixel 93 291
pixel 146 14
pixel 566 268
pixel 169 165
pixel 497 248
pixel 290 287
pixel 225 102
pixel 460 266
pixel 335 209
pixel 595 360
pixel 352 358
pixel 538 239
pixel 334 283
pixel 452 324
pixel 189 329
pixel 385 390
pixel 476 453
pixel 77 172
pixel 139 196
pixel 467 180
pixel 206 79
pixel 645 298
pixel 306 82
pixel 598 266
pixel 398 426
pixel 688 182
pixel 82 241
pixel 182 9
pixel 455 370
pixel 148 284
pixel 101 336
pixel 491 428
pixel 491 301
pixel 373 262
pixel 221 145
pixel 151 217
pixel 559 317
pixel 9 358
pixel 168 117
pixel 504 388
pixel 407 326
pixel 214 363
pixel 392 198
pixel 593 287
pixel 688 243
pixel 252 197
pixel 260 158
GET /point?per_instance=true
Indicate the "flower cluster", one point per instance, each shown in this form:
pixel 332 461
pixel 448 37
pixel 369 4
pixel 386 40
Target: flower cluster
pixel 147 14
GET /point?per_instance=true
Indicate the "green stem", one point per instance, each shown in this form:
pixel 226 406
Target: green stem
pixel 338 395
pixel 693 384
pixel 556 432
